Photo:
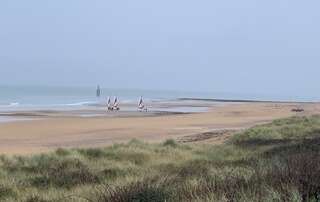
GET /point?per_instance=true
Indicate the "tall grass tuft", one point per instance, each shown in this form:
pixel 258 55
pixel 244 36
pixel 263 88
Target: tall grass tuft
pixel 147 190
pixel 64 173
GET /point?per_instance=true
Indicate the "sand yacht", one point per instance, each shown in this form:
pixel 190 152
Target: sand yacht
pixel 141 106
pixel 116 104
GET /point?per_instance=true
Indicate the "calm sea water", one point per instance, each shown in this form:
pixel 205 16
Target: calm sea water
pixel 35 97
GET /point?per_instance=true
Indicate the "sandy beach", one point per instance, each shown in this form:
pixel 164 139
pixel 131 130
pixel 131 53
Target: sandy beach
pixel 44 131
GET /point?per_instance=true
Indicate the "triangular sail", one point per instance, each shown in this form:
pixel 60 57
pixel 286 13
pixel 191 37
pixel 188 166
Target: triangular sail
pixel 141 102
pixel 116 102
pixel 109 102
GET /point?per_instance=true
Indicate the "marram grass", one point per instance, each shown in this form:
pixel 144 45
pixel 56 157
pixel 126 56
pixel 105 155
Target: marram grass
pixel 279 161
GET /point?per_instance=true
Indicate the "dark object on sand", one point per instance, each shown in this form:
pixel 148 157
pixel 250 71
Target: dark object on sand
pixel 297 110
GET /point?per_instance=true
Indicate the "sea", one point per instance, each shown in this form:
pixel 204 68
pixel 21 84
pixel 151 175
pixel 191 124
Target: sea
pixel 48 97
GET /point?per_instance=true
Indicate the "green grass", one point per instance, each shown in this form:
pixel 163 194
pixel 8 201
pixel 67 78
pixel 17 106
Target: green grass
pixel 279 161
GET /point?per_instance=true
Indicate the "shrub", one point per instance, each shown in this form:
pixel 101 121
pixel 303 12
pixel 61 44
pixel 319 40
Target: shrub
pixel 301 171
pixel 93 153
pixel 63 152
pixel 170 143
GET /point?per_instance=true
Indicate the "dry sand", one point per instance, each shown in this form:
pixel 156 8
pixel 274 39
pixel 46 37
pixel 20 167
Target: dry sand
pixel 47 134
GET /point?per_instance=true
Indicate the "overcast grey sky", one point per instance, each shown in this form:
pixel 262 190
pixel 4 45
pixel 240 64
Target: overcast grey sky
pixel 247 46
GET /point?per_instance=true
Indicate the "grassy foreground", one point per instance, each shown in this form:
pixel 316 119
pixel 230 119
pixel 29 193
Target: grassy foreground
pixel 274 162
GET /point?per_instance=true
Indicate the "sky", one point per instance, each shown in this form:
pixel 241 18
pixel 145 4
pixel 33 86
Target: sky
pixel 247 46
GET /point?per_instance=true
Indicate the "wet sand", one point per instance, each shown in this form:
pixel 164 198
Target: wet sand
pixel 55 129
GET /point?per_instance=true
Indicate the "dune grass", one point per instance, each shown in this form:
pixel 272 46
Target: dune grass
pixel 279 161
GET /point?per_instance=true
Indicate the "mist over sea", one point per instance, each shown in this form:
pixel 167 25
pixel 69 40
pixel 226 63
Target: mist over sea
pixel 50 97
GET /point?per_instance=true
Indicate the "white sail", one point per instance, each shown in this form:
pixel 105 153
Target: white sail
pixel 141 105
pixel 109 102
pixel 116 102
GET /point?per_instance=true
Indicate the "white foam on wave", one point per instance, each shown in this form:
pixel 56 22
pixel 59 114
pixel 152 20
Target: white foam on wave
pixel 19 106
pixel 87 103
pixel 129 101
pixel 12 104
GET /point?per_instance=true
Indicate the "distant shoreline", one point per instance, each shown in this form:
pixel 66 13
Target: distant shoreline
pixel 245 101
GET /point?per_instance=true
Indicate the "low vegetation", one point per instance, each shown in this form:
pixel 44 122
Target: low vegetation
pixel 279 161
